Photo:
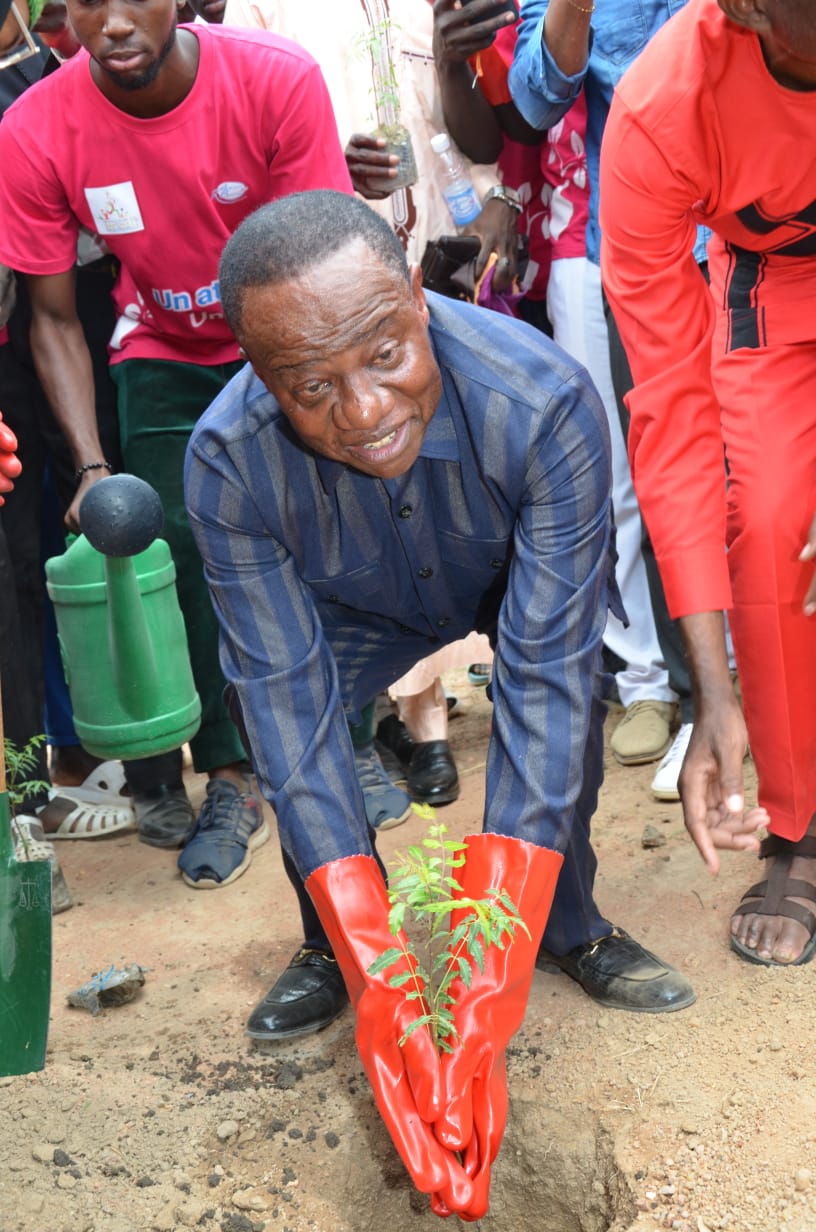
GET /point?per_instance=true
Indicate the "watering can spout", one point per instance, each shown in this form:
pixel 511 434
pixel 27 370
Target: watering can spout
pixel 121 632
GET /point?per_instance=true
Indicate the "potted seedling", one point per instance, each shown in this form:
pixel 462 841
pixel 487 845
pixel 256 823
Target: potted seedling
pixel 379 44
pixel 424 890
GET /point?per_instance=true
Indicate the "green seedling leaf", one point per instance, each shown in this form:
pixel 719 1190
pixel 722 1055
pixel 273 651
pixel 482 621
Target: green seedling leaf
pixel 385 960
pixel 424 1020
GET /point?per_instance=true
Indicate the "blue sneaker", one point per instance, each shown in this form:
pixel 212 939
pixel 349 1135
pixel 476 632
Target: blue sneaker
pixel 230 826
pixel 386 805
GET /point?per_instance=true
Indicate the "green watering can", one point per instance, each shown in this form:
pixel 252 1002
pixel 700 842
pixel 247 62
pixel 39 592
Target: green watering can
pixel 25 950
pixel 121 632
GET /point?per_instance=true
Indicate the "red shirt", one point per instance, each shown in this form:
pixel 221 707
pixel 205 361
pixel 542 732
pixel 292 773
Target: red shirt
pixel 700 132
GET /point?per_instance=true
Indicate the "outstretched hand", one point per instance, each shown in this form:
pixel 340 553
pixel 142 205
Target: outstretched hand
pixel 712 787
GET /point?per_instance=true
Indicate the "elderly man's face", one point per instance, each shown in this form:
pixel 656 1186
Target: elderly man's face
pixel 345 350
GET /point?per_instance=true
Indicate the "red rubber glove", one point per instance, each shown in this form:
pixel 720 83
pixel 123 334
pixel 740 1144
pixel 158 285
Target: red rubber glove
pixel 490 1012
pixel 10 465
pixel 350 898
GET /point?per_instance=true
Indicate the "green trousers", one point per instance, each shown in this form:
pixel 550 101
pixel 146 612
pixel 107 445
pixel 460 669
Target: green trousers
pixel 159 403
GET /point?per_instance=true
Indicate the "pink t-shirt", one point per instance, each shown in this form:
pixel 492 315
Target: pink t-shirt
pixel 165 193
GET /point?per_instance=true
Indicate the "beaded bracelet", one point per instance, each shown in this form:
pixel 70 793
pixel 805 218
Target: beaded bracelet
pixel 91 466
pixel 580 7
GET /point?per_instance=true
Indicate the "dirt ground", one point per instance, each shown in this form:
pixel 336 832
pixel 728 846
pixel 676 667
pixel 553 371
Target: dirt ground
pixel 161 1115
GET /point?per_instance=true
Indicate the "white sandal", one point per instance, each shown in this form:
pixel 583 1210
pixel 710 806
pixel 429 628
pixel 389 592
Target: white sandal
pixel 99 805
pixel 91 820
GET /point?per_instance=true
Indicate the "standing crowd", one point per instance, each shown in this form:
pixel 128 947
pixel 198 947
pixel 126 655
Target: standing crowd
pixel 449 335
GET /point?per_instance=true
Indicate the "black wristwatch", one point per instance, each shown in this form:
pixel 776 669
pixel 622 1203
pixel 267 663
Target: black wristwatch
pixel 507 195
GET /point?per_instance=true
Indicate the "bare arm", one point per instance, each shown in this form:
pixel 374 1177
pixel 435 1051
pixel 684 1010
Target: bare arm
pixel 63 365
pixel 566 33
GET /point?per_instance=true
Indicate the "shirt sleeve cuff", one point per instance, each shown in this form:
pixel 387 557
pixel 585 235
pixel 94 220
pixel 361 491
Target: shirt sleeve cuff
pixel 542 93
pixel 696 581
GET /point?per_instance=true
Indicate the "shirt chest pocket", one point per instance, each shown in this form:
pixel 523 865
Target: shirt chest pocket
pixel 620 31
pixel 362 588
pixel 472 566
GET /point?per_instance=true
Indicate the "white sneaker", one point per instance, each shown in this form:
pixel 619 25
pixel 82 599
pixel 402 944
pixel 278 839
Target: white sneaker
pixel 664 783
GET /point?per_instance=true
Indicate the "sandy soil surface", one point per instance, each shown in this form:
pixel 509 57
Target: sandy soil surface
pixel 160 1114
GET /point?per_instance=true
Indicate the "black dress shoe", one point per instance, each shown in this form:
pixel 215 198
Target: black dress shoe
pixel 308 996
pixel 619 973
pixel 392 734
pixel 432 775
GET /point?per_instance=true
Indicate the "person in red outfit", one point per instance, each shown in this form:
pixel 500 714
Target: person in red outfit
pixel 716 124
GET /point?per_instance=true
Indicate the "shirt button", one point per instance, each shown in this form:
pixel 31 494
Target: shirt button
pixel 406 511
pixel 443 622
pixel 496 563
pixel 426 572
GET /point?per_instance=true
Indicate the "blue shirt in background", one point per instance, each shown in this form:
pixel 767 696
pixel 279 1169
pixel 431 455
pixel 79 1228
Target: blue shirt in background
pixel 542 93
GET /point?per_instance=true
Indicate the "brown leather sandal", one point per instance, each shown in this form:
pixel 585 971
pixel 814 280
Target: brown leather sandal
pixel 771 897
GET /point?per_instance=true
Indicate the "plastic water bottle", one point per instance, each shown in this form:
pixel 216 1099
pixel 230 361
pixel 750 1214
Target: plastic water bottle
pixel 457 188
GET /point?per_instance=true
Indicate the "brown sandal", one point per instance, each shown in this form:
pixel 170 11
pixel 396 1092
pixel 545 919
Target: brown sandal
pixel 771 897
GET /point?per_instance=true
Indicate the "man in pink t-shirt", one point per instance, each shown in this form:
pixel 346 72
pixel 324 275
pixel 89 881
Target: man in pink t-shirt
pixel 160 141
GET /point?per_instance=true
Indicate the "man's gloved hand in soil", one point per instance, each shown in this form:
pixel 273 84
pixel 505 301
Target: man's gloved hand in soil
pixel 489 1012
pixel 351 900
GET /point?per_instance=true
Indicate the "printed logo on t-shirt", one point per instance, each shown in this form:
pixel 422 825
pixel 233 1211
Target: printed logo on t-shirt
pixel 230 191
pixel 115 209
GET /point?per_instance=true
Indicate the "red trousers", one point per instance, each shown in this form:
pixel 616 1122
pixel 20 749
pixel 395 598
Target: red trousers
pixel 768 399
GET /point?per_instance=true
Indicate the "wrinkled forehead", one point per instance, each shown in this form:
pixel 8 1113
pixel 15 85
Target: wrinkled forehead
pixel 342 303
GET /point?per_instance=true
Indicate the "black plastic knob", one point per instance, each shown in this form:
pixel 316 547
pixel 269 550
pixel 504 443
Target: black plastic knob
pixel 121 515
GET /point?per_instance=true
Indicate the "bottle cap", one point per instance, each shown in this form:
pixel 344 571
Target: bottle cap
pixel 440 142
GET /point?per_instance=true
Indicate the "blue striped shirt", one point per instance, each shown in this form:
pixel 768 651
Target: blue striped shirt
pixel 329 584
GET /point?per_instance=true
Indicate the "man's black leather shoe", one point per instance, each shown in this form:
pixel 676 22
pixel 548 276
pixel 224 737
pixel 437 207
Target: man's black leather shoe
pixel 619 973
pixel 432 775
pixel 308 996
pixel 393 735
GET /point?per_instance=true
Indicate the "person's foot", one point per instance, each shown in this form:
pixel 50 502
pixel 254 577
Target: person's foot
pixel 644 732
pixel 308 996
pixel 428 767
pixel 775 924
pixel 30 843
pixel 386 805
pixel 230 827
pixel 165 817
pixel 618 972
pixel 70 765
pixel 432 775
pixel 665 781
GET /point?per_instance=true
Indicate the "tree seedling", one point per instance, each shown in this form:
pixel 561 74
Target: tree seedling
pixel 455 933
pixel 19 764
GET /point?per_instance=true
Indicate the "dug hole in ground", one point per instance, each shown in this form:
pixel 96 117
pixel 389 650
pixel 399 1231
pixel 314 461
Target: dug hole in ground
pixel 161 1114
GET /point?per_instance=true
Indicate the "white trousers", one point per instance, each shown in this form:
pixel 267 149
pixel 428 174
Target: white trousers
pixel 575 309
